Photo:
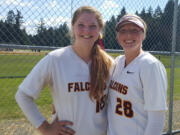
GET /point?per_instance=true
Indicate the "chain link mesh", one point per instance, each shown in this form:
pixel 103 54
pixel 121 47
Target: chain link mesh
pixel 48 23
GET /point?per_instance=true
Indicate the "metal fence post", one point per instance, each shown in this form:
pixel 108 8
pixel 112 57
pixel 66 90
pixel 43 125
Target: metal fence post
pixel 172 67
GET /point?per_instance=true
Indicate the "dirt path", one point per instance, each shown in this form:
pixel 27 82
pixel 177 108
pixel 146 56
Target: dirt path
pixel 23 127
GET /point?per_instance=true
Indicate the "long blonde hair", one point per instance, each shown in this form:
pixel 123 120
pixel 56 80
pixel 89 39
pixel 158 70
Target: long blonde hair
pixel 101 61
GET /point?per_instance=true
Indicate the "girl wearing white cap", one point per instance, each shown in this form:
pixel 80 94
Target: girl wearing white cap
pixel 69 71
pixel 137 96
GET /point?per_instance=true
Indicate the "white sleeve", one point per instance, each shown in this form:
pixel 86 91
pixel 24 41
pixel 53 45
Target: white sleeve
pixel 29 108
pixel 31 88
pixel 154 82
pixel 155 124
pixel 38 78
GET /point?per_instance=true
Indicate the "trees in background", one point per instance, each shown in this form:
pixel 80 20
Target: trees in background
pixel 52 36
pixel 159 32
pixel 159 28
pixel 11 31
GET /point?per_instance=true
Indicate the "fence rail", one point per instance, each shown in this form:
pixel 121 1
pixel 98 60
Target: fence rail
pixel 29 47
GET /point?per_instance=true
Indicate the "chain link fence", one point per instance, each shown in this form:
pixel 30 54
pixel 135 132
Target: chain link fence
pixel 30 29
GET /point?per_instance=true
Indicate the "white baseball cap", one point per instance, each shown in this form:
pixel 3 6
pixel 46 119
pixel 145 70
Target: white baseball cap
pixel 130 19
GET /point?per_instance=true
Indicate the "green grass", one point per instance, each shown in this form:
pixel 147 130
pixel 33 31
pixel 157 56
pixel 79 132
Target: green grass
pixel 17 65
pixel 21 65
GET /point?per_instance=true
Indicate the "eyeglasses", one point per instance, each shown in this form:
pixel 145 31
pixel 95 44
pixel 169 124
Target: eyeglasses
pixel 132 32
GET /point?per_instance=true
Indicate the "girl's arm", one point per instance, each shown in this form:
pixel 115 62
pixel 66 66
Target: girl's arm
pixel 155 124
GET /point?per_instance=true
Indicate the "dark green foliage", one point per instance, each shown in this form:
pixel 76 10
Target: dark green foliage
pixel 158 38
pixel 10 30
pixel 159 28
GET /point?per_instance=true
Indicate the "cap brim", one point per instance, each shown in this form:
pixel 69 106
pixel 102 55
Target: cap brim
pixel 137 23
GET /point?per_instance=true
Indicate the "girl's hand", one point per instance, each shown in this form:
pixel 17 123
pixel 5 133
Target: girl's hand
pixel 57 128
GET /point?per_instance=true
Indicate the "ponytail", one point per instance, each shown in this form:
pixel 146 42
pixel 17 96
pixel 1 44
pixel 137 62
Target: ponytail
pixel 100 71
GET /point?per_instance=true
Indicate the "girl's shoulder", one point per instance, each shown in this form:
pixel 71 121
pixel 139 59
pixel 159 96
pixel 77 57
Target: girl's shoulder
pixel 60 51
pixel 147 60
pixel 119 58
